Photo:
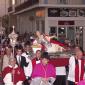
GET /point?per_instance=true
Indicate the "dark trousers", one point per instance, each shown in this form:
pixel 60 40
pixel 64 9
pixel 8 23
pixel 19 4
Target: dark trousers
pixel 26 82
pixel 71 83
pixel 60 80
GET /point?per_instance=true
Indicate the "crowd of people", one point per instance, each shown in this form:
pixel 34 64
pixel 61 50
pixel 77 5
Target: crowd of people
pixel 28 67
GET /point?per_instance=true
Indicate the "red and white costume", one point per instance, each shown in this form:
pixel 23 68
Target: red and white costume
pixel 76 71
pixel 13 76
pixel 35 61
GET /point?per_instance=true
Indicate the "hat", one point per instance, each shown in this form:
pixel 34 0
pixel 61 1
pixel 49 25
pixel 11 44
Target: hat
pixel 45 55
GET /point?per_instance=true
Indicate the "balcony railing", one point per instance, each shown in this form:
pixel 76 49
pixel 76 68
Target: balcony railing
pixel 26 5
pixel 29 3
pixel 63 2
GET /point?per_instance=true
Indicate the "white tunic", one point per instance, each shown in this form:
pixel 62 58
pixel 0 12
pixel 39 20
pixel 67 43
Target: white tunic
pixel 71 74
pixel 28 69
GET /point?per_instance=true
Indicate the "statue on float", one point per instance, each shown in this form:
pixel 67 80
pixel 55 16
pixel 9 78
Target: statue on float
pixel 47 43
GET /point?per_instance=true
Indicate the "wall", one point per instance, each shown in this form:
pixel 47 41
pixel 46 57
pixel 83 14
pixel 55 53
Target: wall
pixel 3 7
pixel 75 2
pixel 3 10
pixel 24 24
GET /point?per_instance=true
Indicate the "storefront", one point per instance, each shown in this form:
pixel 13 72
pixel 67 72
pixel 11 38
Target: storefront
pixel 66 23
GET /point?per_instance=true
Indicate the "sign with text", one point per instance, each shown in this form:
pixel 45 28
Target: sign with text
pixel 53 12
pixel 66 23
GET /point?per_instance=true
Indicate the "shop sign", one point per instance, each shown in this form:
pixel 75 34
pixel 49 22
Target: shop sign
pixel 53 12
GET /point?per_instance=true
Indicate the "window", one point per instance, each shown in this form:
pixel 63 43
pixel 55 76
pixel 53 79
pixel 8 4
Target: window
pixel 37 25
pixel 64 12
pixel 22 1
pixel 40 13
pixel 61 30
pixel 83 1
pixel 79 36
pixel 81 12
pixel 63 1
pixel 52 30
pixel 53 12
pixel 61 34
pixel 46 1
pixel 18 2
pixel 43 26
pixel 72 12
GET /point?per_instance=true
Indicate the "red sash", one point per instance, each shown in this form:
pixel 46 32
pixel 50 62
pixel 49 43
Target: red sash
pixel 77 78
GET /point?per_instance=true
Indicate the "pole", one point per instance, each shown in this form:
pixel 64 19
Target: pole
pixel 13 46
pixel 13 51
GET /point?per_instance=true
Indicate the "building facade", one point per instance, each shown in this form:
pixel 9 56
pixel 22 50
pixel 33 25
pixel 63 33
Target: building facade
pixel 3 11
pixel 63 17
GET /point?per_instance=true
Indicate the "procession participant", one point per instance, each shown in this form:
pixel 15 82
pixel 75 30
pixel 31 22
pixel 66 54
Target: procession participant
pixel 7 56
pixel 81 82
pixel 76 68
pixel 12 74
pixel 28 49
pixel 37 58
pixel 26 63
pixel 43 73
pixel 19 50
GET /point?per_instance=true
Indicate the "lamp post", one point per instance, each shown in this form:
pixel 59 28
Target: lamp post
pixel 13 38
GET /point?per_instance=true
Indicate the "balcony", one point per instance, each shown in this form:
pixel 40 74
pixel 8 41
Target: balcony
pixel 63 2
pixel 56 3
pixel 26 5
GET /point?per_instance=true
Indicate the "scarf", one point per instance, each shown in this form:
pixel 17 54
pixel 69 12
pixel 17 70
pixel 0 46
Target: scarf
pixel 77 76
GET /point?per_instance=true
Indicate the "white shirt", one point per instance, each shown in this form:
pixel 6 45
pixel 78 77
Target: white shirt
pixel 28 69
pixel 71 74
pixel 18 59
